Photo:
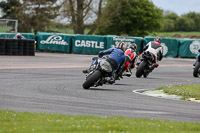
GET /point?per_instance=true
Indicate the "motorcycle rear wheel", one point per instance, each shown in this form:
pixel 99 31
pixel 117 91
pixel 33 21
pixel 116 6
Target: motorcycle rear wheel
pixel 140 69
pixel 91 79
pixel 196 70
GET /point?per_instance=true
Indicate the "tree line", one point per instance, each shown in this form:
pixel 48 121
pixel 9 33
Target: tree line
pixel 186 22
pixel 104 17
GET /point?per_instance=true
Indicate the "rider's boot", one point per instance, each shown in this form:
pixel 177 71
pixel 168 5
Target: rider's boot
pixel 111 80
pixel 86 71
pixel 128 74
pixel 156 65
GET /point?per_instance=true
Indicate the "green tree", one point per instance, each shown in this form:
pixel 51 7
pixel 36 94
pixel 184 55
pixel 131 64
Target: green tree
pixel 10 8
pixel 168 25
pixel 13 9
pixel 130 17
pixel 171 15
pixel 169 22
pixel 41 12
pixel 196 18
pixel 79 12
pixel 185 24
pixel 33 15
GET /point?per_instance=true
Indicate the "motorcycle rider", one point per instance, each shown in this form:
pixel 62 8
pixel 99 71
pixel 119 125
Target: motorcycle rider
pixel 130 59
pixel 156 49
pixel 19 36
pixel 113 62
pixel 198 54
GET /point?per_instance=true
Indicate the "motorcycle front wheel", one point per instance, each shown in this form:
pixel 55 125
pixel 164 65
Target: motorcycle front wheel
pixel 90 81
pixel 140 69
pixel 196 70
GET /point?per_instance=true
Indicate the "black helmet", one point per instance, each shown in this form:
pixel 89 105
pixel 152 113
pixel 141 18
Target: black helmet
pixel 133 46
pixel 199 50
pixel 158 39
pixel 121 46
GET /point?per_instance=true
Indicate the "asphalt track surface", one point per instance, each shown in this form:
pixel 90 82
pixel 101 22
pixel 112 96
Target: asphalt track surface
pixel 52 83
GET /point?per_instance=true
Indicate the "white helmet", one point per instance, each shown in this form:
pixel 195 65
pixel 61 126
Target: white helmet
pixel 121 46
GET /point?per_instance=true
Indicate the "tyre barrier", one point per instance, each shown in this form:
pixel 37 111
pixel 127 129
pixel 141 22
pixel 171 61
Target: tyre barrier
pixel 2 47
pixel 17 47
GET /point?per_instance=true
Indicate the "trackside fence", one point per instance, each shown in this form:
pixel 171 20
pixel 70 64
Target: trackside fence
pixel 54 42
pixel 90 44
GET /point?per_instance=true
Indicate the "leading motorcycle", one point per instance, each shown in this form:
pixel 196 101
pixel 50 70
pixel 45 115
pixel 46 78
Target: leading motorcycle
pixel 145 64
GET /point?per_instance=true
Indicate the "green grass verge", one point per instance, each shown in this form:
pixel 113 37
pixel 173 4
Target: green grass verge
pixel 25 122
pixel 169 34
pixel 187 91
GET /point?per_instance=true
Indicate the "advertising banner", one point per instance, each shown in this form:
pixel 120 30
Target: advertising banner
pixel 113 41
pixel 189 47
pixel 54 42
pixel 87 44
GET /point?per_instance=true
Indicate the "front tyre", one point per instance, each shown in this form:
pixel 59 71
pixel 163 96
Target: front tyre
pixel 92 79
pixel 196 70
pixel 145 75
pixel 140 69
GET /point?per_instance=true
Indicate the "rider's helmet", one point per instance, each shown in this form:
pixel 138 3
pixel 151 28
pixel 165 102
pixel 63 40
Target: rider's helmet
pixel 199 50
pixel 158 39
pixel 133 46
pixel 19 36
pixel 121 46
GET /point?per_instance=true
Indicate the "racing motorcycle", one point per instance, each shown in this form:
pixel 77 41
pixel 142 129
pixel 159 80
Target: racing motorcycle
pixel 96 75
pixel 145 64
pixel 196 71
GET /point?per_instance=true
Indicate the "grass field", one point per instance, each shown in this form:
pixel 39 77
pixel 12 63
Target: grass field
pixel 67 29
pixel 187 91
pixel 24 122
pixel 4 29
pixel 162 34
pixel 170 34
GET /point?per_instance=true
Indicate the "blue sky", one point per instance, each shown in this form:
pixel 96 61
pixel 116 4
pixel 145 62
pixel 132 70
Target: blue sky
pixel 180 7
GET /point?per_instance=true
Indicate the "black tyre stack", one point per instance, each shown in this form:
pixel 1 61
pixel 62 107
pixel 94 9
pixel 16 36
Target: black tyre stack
pixel 20 47
pixel 8 47
pixel 31 47
pixel 14 47
pixel 17 47
pixel 2 46
pixel 26 47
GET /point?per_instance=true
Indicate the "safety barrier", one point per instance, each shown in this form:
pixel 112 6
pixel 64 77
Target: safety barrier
pixel 91 44
pixel 113 41
pixel 17 47
pixel 188 47
pixel 11 35
pixel 82 44
pixel 54 42
pixel 87 44
pixel 2 46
